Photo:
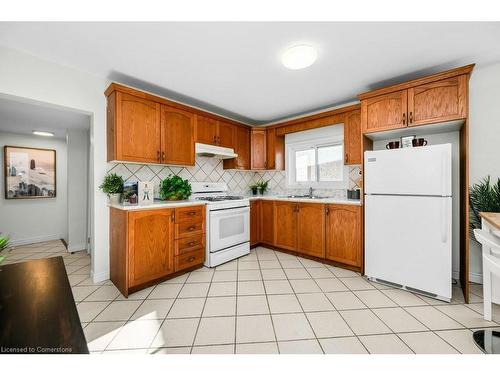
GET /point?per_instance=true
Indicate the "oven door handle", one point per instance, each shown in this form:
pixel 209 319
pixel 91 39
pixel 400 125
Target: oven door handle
pixel 230 211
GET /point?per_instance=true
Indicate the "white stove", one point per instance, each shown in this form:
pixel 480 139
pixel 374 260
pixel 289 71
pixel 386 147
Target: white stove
pixel 228 222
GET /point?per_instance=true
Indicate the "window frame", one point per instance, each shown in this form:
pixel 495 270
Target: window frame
pixel 292 147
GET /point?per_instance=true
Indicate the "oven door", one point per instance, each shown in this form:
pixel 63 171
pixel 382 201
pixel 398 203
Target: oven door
pixel 229 227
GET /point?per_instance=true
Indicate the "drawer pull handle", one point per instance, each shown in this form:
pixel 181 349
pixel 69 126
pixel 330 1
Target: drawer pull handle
pixel 191 228
pixel 191 243
pixel 190 259
pixel 191 213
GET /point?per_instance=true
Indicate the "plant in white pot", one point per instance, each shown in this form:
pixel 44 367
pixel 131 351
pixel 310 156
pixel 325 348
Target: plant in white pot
pixel 113 187
pixel 4 243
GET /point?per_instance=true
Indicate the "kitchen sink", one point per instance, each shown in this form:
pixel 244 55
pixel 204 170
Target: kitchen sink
pixel 302 196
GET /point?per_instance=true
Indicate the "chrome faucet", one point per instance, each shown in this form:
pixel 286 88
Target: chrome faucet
pixel 310 192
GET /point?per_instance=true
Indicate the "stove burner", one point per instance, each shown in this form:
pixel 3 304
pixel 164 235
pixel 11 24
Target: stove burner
pixel 220 198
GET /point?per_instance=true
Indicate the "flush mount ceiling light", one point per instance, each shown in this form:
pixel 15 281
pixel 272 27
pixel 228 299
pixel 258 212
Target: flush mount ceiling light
pixel 299 57
pixel 42 133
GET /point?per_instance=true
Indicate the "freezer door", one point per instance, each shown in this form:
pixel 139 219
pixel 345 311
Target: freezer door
pixel 409 171
pixel 408 241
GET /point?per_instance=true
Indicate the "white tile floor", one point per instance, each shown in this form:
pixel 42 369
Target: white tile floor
pixel 266 302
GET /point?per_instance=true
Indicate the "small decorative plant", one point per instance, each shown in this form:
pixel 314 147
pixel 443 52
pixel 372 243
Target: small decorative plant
pixel 175 188
pixel 483 197
pixel 254 188
pixel 112 184
pixel 4 243
pixel 263 185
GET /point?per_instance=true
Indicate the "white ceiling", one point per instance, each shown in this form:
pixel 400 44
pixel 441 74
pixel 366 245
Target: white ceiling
pixel 22 118
pixel 235 69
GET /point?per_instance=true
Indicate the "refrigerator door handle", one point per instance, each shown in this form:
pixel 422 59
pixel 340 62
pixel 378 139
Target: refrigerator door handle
pixel 444 220
pixel 444 174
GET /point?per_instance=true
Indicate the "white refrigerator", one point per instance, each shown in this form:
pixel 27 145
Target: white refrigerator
pixel 408 218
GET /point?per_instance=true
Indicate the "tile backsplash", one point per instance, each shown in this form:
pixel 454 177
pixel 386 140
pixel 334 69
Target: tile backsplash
pixel 211 169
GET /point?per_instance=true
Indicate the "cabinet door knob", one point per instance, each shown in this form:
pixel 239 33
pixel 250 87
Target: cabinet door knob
pixel 158 155
pixel 411 117
pixel 190 259
pixel 327 210
pixel 163 155
pixel 404 118
pixel 346 157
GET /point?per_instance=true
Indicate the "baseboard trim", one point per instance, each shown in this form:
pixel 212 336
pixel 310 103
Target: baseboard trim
pixel 78 247
pixel 473 277
pixel 98 277
pixel 28 241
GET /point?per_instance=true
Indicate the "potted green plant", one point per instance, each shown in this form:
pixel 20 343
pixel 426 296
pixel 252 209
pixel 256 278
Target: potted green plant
pixel 483 197
pixel 263 185
pixel 113 187
pixel 254 188
pixel 4 243
pixel 174 188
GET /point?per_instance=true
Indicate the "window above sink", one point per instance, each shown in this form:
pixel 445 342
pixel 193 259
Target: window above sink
pixel 315 158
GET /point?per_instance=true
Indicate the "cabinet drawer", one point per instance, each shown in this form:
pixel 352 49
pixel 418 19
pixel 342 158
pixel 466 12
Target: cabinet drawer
pixel 190 259
pixel 191 214
pixel 191 243
pixel 189 228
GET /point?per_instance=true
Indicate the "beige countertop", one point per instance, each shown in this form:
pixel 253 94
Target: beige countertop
pixel 493 218
pixel 339 200
pixel 158 205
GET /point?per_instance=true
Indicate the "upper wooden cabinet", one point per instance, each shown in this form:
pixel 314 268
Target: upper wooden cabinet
pixel 215 132
pixel 443 100
pixel 177 136
pixel 206 130
pixel 438 98
pixel 384 112
pixel 242 148
pixel 258 149
pixel 352 137
pixel 150 245
pixel 343 234
pixel 226 134
pixel 311 229
pixel 134 129
pixel 275 150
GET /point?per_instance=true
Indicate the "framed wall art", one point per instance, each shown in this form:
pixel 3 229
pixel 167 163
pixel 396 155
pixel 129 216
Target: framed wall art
pixel 29 172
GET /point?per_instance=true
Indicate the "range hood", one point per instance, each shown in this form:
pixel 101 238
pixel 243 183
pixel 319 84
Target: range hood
pixel 214 151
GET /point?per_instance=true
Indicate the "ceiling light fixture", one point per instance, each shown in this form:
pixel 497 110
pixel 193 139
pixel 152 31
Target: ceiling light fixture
pixel 299 57
pixel 43 134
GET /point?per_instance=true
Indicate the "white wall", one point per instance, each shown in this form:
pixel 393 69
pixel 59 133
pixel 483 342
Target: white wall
pixel 484 136
pixel 32 78
pixel 35 220
pixel 78 141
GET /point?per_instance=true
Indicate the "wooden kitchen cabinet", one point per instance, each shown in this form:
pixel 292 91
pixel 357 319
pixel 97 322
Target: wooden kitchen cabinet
pixel 206 130
pixel 311 229
pixel 343 234
pixel 258 149
pixel 214 132
pixel 133 129
pixel 352 138
pixel 255 217
pixel 275 150
pixel 177 136
pixel 150 245
pixel 242 148
pixel 444 100
pixel 226 134
pixel 267 222
pixel 384 112
pixel 285 225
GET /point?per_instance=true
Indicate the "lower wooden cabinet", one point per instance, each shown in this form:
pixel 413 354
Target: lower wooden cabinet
pixel 147 246
pixel 255 237
pixel 343 234
pixel 150 245
pixel 285 224
pixel 311 229
pixel 332 232
pixel 267 222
